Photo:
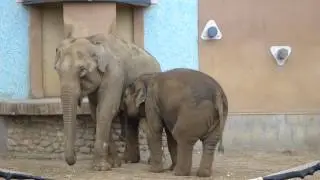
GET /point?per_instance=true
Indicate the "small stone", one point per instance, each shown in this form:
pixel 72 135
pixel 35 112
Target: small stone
pixel 59 150
pixel 88 136
pixel 23 149
pixel 49 149
pixel 36 141
pixel 118 131
pixel 26 142
pixel 121 149
pixel 53 134
pixel 43 132
pixel 60 134
pixel 11 142
pixel 18 130
pixel 84 150
pixel 79 135
pixel 10 131
pixel 10 148
pixel 45 143
pixel 89 144
pixel 115 137
pixel 16 136
pixel 55 145
pixel 80 142
pixel 40 149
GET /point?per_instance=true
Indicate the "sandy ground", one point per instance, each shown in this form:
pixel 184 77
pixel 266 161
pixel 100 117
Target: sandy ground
pixel 231 165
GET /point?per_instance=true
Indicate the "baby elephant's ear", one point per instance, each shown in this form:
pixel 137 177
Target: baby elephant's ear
pixel 141 95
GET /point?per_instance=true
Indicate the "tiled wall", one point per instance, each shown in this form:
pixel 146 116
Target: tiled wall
pixel 171 33
pixel 14 56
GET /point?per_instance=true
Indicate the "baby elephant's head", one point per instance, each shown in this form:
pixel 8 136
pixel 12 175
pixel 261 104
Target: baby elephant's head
pixel 134 96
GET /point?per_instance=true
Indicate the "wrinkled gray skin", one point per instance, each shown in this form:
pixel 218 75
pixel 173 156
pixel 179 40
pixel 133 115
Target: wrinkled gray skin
pixel 98 66
pixel 189 105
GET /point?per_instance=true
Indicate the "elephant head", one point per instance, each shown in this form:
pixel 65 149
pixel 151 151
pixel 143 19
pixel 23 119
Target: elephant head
pixel 80 64
pixel 134 96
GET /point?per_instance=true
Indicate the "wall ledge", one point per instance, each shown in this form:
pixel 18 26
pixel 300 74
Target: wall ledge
pixel 52 106
pixel 143 3
pixel 45 106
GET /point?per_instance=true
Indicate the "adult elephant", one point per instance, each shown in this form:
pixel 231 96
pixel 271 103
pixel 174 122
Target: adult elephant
pixel 99 67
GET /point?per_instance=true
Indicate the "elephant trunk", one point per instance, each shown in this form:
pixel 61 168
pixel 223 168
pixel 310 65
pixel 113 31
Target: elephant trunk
pixel 69 101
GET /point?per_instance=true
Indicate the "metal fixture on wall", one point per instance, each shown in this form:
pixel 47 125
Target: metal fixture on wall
pixel 211 31
pixel 280 54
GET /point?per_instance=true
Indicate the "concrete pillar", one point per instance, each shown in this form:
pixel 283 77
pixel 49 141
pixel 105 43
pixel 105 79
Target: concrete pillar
pixel 89 18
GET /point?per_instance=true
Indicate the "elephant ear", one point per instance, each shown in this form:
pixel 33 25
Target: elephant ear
pixel 102 59
pixel 141 95
pixel 101 55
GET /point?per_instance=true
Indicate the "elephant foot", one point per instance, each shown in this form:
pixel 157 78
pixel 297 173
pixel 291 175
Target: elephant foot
pixel 115 162
pixel 131 159
pixel 156 169
pixel 221 149
pixel 101 165
pixel 204 173
pixel 171 168
pixel 149 160
pixel 179 172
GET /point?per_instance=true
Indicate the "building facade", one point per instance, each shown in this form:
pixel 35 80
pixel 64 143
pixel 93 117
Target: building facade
pixel 271 107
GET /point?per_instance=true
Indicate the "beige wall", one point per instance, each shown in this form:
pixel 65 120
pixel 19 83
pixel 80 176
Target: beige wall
pixel 52 26
pixel 53 32
pixel 125 22
pixel 241 60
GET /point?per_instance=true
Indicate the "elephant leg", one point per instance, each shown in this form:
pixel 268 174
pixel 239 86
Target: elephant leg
pixel 154 138
pixel 109 97
pixel 185 137
pixel 184 158
pixel 132 151
pixel 93 108
pixel 209 145
pixel 172 146
pixel 114 160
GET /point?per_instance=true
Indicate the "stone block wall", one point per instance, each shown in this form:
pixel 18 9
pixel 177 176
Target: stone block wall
pixel 43 137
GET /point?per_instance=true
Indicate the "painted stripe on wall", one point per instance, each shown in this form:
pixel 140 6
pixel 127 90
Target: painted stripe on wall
pixel 14 74
pixel 171 33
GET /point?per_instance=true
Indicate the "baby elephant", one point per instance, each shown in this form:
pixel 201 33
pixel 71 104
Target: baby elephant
pixel 189 105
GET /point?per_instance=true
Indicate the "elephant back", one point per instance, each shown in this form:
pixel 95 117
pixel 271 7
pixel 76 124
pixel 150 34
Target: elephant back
pixel 137 61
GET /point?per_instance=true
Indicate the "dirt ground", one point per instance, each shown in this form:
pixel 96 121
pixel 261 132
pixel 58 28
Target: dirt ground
pixel 232 165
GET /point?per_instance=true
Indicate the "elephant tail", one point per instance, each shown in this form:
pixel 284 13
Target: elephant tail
pixel 222 108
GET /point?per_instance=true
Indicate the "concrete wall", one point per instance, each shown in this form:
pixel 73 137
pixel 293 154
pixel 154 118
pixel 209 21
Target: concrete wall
pixel 14 55
pixel 241 61
pixel 171 33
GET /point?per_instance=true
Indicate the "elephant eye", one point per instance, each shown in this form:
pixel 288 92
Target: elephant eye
pixel 82 71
